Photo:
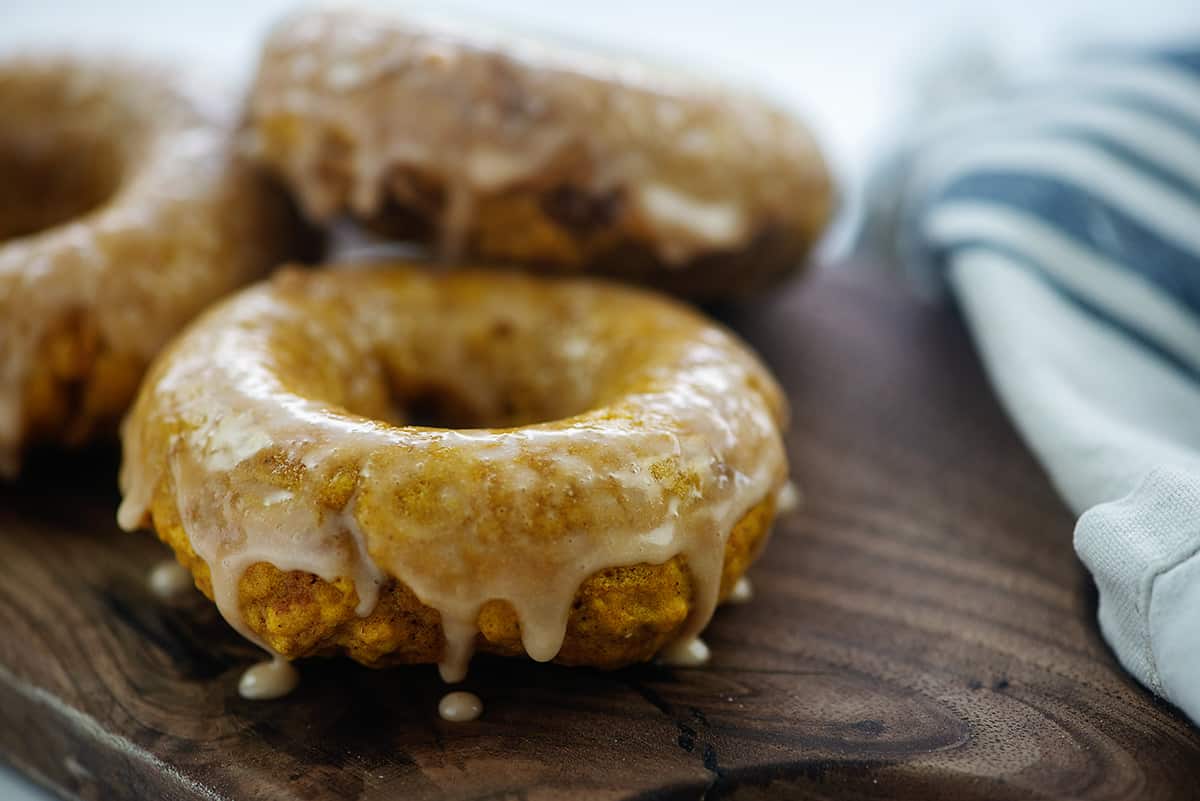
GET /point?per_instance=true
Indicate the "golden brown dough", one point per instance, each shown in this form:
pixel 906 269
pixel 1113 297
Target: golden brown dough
pixel 123 212
pixel 555 159
pixel 403 466
pixel 619 615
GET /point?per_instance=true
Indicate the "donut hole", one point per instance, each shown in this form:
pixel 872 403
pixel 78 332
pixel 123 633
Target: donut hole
pixel 48 179
pixel 436 407
pixel 459 357
pixel 504 385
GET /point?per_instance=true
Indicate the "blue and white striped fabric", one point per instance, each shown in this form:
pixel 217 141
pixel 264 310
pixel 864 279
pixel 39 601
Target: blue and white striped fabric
pixel 1064 217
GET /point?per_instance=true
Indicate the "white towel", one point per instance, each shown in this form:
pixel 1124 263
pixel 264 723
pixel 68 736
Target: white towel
pixel 1064 217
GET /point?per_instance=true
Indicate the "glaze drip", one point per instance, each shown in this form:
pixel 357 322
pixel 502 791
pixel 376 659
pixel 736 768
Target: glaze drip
pixel 742 592
pixel 789 499
pixel 685 652
pixel 460 707
pixel 438 118
pixel 268 680
pixel 168 579
pixel 254 447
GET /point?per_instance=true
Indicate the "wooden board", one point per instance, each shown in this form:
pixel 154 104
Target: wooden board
pixel 922 630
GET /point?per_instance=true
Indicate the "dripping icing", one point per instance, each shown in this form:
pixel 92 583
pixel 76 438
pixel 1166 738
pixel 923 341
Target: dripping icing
pixel 742 592
pixel 567 101
pixel 265 681
pixel 685 652
pixel 233 521
pixel 788 499
pixel 168 579
pixel 460 707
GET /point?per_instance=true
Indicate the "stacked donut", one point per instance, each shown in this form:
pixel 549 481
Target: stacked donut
pixel 409 462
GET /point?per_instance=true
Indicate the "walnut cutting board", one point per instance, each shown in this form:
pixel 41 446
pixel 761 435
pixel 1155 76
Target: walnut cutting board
pixel 921 630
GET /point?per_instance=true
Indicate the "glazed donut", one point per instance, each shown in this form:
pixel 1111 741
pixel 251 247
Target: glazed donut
pixel 561 160
pixel 403 466
pixel 123 212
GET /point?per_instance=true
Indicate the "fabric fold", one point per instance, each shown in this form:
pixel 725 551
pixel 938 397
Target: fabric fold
pixel 1064 218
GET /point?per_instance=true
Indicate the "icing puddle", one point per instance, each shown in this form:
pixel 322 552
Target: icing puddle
pixel 460 707
pixel 743 592
pixel 267 680
pixel 687 653
pixel 168 580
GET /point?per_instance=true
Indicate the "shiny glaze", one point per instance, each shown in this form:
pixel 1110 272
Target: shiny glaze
pixel 168 579
pixel 268 680
pixel 789 499
pixel 742 592
pixel 687 652
pixel 358 109
pixel 178 221
pixel 267 425
pixel 460 707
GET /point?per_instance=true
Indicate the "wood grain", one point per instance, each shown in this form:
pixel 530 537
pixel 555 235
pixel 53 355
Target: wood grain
pixel 921 630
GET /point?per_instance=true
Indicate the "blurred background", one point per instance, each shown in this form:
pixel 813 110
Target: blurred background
pixel 853 69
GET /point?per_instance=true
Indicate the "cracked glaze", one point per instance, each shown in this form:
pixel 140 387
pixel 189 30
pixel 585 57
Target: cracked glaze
pixel 267 423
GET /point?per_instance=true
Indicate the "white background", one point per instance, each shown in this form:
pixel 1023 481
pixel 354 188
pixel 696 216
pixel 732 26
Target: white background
pixel 849 66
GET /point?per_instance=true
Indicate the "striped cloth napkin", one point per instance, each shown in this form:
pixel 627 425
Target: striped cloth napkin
pixel 1063 216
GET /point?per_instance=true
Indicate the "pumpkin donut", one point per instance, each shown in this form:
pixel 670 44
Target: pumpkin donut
pixel 560 160
pixel 403 466
pixel 123 212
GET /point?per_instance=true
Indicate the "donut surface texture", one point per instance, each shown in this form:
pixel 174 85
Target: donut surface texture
pixel 404 466
pixel 123 212
pixel 559 160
